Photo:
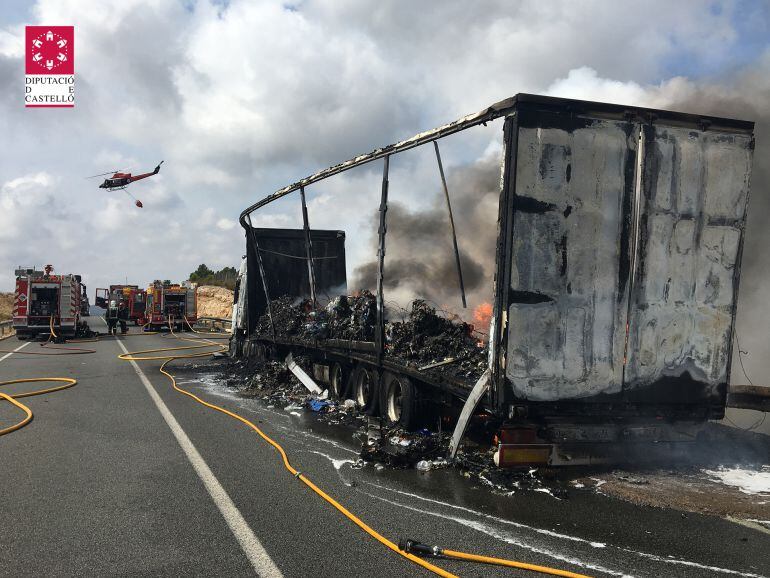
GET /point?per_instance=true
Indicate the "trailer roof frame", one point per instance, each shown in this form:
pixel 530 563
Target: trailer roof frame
pixel 498 110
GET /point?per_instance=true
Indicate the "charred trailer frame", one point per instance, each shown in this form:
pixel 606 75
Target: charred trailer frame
pixel 620 233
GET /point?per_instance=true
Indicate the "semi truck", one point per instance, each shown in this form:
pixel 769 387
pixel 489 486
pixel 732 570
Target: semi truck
pixel 174 305
pixel 45 303
pixel 620 231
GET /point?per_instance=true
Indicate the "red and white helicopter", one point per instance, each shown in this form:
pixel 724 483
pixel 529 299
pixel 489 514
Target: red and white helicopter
pixel 119 181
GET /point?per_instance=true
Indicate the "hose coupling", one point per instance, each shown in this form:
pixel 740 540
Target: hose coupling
pixel 420 549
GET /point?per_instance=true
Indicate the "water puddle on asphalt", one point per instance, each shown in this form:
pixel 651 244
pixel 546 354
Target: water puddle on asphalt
pixel 338 445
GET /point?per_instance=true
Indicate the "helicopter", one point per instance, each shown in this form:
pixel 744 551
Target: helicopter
pixel 119 181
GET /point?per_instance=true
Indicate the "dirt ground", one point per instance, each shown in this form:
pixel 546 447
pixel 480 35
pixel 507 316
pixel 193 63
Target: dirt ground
pixel 727 474
pixel 6 306
pixel 694 491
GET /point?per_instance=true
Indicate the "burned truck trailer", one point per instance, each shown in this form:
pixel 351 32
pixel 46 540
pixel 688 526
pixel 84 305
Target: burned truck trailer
pixel 620 232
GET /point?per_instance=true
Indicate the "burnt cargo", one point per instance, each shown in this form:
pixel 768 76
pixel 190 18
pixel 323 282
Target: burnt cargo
pixel 284 259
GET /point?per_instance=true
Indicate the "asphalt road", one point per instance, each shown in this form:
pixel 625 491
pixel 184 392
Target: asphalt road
pixel 99 484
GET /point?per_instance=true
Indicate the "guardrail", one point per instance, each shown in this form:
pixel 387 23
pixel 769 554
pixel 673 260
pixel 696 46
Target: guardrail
pixel 214 323
pixel 6 328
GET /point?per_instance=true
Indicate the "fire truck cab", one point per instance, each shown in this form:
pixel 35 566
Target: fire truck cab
pixel 131 299
pixel 174 305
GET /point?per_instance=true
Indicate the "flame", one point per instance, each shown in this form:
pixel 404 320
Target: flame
pixel 482 315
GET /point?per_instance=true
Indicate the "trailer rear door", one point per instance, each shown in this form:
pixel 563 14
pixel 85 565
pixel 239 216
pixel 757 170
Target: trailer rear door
pixel 570 256
pixel 621 232
pixel 694 192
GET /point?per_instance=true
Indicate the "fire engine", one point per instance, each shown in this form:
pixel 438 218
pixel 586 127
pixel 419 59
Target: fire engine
pixel 171 304
pixel 131 299
pixel 43 300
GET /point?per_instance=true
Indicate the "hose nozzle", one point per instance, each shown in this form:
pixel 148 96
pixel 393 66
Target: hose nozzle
pixel 419 549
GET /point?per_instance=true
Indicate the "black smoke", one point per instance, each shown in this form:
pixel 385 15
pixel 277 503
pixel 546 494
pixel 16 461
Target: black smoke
pixel 420 260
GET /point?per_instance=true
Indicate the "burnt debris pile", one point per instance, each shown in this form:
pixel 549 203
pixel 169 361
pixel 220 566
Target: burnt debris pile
pixel 287 317
pixel 398 448
pixel 424 339
pixel 350 317
pixel 346 317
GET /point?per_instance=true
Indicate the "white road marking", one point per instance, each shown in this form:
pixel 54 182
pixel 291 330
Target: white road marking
pixel 7 355
pixel 261 561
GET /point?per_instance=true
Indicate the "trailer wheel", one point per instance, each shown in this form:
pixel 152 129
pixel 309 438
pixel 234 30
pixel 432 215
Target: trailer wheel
pixel 338 381
pixel 365 389
pixel 399 401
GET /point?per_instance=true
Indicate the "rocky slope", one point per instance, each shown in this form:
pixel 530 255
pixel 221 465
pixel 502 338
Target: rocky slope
pixel 6 305
pixel 214 301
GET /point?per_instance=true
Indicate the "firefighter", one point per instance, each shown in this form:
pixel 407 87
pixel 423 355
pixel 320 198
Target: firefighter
pixel 117 312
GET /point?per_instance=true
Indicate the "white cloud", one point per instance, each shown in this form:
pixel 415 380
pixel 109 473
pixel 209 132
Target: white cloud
pixel 226 224
pixel 240 99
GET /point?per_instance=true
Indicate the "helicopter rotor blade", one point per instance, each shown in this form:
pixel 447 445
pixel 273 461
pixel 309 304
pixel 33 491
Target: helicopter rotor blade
pixel 107 173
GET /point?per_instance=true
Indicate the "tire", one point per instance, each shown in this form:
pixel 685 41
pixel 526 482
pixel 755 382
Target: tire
pixel 399 401
pixel 338 381
pixel 365 389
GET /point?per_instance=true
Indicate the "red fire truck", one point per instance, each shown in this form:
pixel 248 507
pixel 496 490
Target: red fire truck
pixel 171 304
pixel 130 298
pixel 43 300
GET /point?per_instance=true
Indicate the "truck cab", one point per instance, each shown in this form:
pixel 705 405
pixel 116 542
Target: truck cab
pixel 47 303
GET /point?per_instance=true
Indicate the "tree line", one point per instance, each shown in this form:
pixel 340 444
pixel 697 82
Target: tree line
pixel 225 277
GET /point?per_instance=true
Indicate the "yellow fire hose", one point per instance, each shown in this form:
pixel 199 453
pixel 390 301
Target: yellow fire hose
pixel 211 334
pixel 168 358
pixel 68 382
pixel 64 350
